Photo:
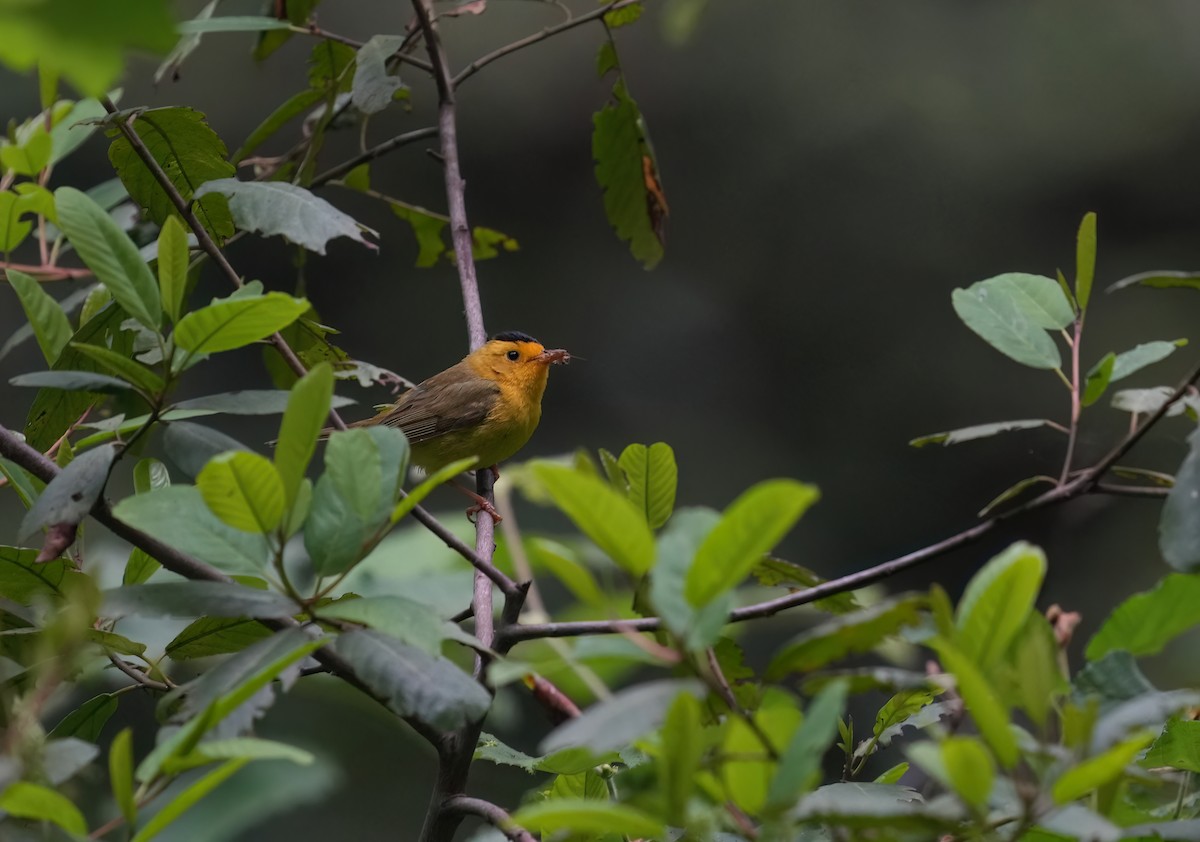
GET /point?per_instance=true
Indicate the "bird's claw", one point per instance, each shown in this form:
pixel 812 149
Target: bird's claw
pixel 483 506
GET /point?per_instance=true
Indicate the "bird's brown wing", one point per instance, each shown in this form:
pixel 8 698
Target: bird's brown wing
pixel 445 402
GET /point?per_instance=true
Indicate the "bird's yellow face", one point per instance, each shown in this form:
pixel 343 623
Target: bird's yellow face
pixel 517 362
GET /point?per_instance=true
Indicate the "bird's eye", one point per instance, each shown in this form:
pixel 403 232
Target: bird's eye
pixel 513 355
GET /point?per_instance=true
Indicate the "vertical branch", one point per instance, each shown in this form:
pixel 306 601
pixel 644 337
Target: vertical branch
pixel 1076 397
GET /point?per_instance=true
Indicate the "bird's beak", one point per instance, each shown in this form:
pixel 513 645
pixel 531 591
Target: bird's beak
pixel 556 356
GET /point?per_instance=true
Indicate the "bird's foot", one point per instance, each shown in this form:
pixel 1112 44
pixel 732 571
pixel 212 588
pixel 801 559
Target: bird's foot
pixel 483 505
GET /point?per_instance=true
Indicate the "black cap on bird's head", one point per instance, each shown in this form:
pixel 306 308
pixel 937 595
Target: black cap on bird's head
pixel 513 336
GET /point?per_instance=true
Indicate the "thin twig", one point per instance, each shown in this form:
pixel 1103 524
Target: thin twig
pixel 1119 490
pixel 16 450
pixel 490 813
pixel 204 239
pixel 374 152
pixel 136 674
pixel 1084 482
pixel 481 62
pixel 47 272
pixel 1076 402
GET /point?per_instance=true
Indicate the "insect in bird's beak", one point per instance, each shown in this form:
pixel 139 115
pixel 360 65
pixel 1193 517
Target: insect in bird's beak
pixel 556 356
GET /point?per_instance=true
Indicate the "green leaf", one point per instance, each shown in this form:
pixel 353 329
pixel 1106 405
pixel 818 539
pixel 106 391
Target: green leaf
pixel 276 207
pixel 372 89
pixel 71 381
pixel 231 23
pixel 291 108
pixel 900 710
pixel 431 689
pixel 1113 677
pixel 487 243
pixel 749 528
pixel 1145 622
pixel 427 227
pixel 1179 528
pixel 69 497
pixel 134 373
pixel 979 431
pixel 1000 312
pixel 244 490
pixel 996 602
pixel 209 636
pixel 187 799
pixel 846 634
pixel 308 404
pixel 1097 771
pixel 682 750
pixel 800 764
pixel 249 748
pixel 414 497
pixel 189 152
pixel 234 322
pixel 652 476
pixel 120 773
pixel 677 545
pixel 1038 676
pixel 981 700
pixel 1098 378
pixel 1147 353
pixel 29 155
pixel 406 620
pixel 50 324
pixel 109 252
pixel 173 266
pixel 603 515
pixel 26 800
pixel 615 723
pixel 178 516
pixel 1161 279
pixel 621 152
pixel 88 720
pixel 1085 259
pixel 588 816
pixel 353 464
pixel 192 599
pixel 249 402
pixel 81 40
pixel 1038 297
pixel 1178 746
pixel 22 577
pixel 12 230
pixel 892 775
pixel 624 16
pixel 773 572
pixel 969 769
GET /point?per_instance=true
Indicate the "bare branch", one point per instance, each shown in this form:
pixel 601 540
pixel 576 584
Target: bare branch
pixel 374 152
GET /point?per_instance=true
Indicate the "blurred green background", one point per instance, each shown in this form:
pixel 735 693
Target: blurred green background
pixel 834 170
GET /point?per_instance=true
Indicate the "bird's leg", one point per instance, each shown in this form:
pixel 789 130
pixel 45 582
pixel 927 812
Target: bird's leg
pixel 481 504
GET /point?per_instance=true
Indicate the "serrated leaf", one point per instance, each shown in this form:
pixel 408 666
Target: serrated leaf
pixel 620 150
pixel 373 88
pixel 1178 746
pixel 88 720
pixel 606 517
pixel 1179 528
pixel 749 528
pixel 189 152
pixel 846 634
pixel 979 431
pixel 244 490
pixel 50 325
pixel 110 254
pixel 276 207
pixel 234 322
pixel 652 477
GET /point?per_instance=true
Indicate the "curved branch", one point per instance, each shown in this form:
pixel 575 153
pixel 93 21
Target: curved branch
pixel 1085 482
pixel 490 813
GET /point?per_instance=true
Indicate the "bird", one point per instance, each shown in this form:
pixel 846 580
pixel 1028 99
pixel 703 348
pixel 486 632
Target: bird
pixel 487 406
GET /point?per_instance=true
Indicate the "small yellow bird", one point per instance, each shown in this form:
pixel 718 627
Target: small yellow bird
pixel 487 405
